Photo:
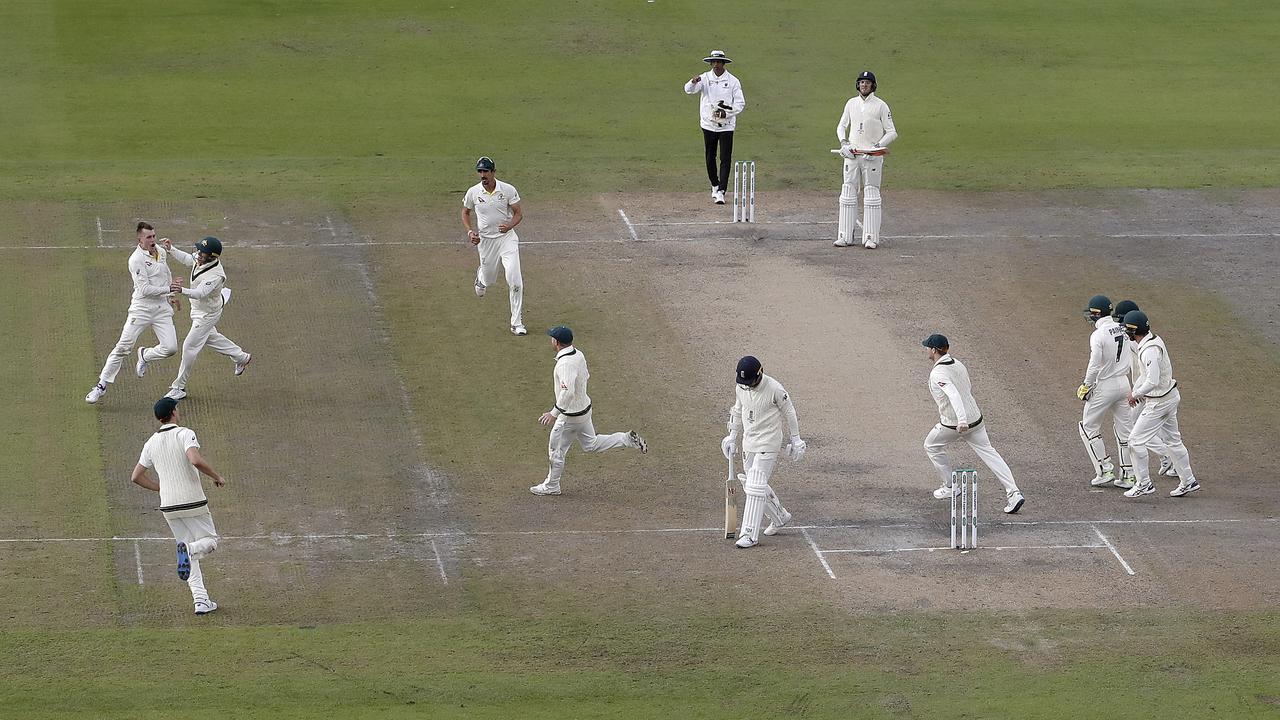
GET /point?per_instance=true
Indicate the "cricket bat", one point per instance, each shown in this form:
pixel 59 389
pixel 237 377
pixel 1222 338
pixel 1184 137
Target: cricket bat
pixel 730 504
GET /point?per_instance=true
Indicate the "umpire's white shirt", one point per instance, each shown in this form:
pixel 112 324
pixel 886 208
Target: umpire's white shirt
pixel 151 279
pixel 950 388
pixel 181 493
pixel 491 208
pixel 570 379
pixel 715 89
pixel 207 282
pixel 763 411
pixel 866 123
pixel 1108 356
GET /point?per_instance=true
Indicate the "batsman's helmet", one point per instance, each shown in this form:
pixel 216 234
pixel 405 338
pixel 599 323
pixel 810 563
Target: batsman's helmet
pixel 211 246
pixel 866 75
pixel 1124 307
pixel 750 371
pixel 1099 307
pixel 1136 323
pixel 485 163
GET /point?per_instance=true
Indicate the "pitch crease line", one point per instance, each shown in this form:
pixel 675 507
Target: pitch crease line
pixel 439 562
pixel 818 553
pixel 137 559
pixel 1112 548
pixel 631 228
pixel 872 551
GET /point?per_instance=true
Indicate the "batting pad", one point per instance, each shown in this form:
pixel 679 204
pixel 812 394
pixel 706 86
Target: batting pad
pixel 871 215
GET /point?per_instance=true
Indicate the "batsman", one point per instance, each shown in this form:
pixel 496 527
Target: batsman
pixel 864 131
pixel 761 408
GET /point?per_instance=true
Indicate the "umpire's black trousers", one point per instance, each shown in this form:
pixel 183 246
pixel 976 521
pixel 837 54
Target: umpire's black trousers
pixel 719 176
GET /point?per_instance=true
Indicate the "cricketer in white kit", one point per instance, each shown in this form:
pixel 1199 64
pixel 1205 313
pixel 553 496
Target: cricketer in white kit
pixel 1156 426
pixel 960 419
pixel 1123 308
pixel 209 295
pixel 762 411
pixel 570 415
pixel 1105 390
pixel 497 210
pixel 866 126
pixel 174 452
pixel 152 307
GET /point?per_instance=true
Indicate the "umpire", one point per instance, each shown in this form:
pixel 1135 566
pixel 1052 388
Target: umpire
pixel 721 101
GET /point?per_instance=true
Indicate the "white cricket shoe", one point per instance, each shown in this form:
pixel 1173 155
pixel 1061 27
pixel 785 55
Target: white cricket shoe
pixel 1105 478
pixel 714 189
pixel 1185 488
pixel 206 607
pixel 946 491
pixel 141 368
pixel 719 197
pixel 843 243
pixel 479 288
pixel 543 488
pixel 241 366
pixel 1142 488
pixel 1015 502
pixel 519 330
pixel 774 527
pixel 96 393
pixel 1167 468
pixel 870 244
pixel 638 442
pixel 1124 481
pixel 176 394
pixel 745 542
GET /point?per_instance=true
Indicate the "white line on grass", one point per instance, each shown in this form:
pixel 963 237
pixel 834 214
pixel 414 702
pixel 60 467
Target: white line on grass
pixel 818 553
pixel 1113 550
pixel 137 559
pixel 439 563
pixel 631 228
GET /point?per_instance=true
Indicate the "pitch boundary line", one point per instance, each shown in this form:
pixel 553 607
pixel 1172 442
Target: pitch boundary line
pixel 814 546
pixel 873 551
pixel 1112 548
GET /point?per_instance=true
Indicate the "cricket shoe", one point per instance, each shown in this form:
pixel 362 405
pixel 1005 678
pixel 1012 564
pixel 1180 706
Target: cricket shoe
pixel 141 368
pixel 774 527
pixel 638 442
pixel 240 366
pixel 519 330
pixel 870 244
pixel 204 607
pixel 479 289
pixel 1185 488
pixel 1167 468
pixel 184 562
pixel 96 393
pixel 1105 478
pixel 719 196
pixel 843 243
pixel 947 491
pixel 1142 488
pixel 1124 481
pixel 176 394
pixel 544 489
pixel 1015 503
pixel 745 542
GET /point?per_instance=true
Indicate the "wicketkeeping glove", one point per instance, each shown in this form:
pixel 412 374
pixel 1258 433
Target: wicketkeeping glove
pixel 796 448
pixel 729 446
pixel 1083 391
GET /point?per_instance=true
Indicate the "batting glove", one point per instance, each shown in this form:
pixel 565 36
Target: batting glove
pixel 1083 391
pixel 729 446
pixel 796 448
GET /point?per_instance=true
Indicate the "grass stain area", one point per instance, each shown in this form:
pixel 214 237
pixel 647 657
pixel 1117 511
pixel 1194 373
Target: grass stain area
pixel 657 662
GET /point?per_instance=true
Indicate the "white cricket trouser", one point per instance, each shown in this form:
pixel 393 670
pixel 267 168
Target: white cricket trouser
pixel 504 249
pixel 1107 396
pixel 200 335
pixel 567 429
pixel 1156 428
pixel 201 537
pixel 761 500
pixel 161 321
pixel 935 444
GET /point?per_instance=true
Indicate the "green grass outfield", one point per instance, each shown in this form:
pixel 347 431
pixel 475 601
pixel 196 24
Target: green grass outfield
pixel 374 105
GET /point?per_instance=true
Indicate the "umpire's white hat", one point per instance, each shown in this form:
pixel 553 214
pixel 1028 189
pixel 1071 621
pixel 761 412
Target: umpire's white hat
pixel 717 55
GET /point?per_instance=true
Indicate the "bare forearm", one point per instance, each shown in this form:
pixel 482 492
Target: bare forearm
pixel 141 479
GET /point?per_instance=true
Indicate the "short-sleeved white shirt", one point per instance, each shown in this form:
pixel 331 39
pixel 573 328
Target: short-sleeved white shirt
pixel 166 451
pixel 491 208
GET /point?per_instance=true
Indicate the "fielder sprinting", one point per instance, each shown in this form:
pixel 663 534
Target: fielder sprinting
pixel 960 419
pixel 209 295
pixel 174 452
pixel 152 307
pixel 1105 390
pixel 864 131
pixel 760 410
pixel 570 415
pixel 1156 426
pixel 497 210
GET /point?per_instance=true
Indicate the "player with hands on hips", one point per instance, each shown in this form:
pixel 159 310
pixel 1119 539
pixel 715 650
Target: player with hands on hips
pixel 864 131
pixel 960 419
pixel 1156 426
pixel 1104 391
pixel 761 411
pixel 496 208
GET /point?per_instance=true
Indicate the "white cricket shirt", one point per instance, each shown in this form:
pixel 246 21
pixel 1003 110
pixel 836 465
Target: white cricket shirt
pixel 205 292
pixel 570 379
pixel 715 89
pixel 949 385
pixel 1157 370
pixel 491 208
pixel 866 123
pixel 762 411
pixel 166 451
pixel 1108 356
pixel 151 278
